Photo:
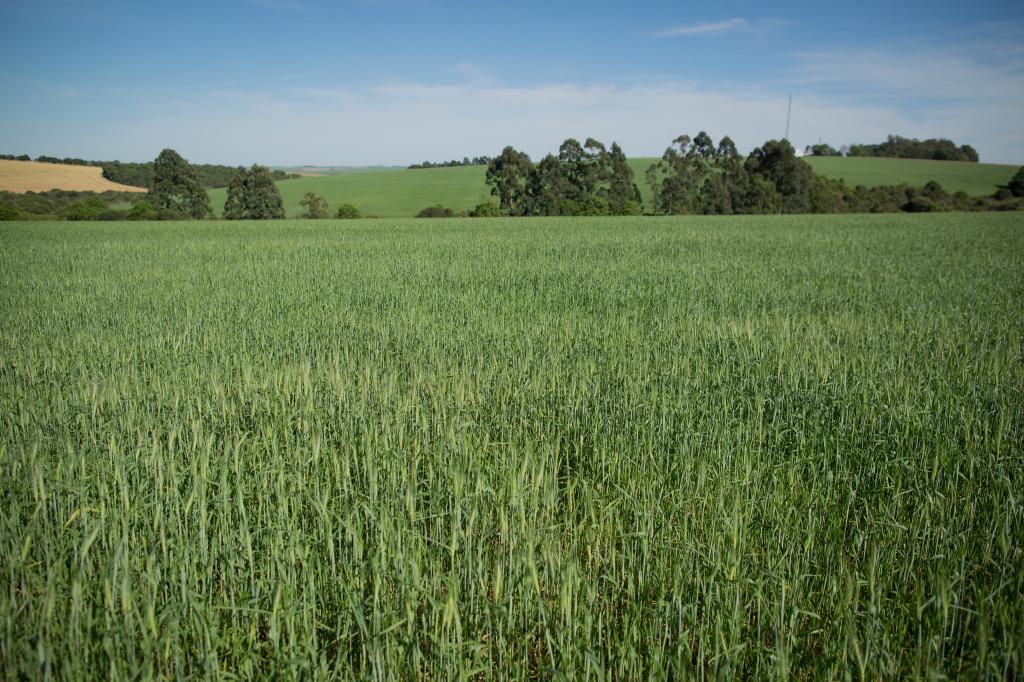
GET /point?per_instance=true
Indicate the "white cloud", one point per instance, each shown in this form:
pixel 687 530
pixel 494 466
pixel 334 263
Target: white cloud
pixel 840 97
pixel 704 28
pixel 401 123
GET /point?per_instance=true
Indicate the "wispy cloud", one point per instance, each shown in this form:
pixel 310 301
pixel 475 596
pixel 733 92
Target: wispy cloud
pixel 704 28
pixel 906 73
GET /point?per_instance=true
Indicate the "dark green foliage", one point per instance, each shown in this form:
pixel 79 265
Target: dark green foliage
pixel 583 180
pixel 90 209
pixel 911 148
pixel 794 179
pixel 487 209
pixel 1016 184
pixel 141 210
pixel 112 214
pixel 622 193
pixel 437 211
pixel 466 161
pixel 252 195
pixel 919 203
pixel 8 212
pixel 695 176
pixel 141 174
pixel 348 212
pixel 509 177
pixel 821 150
pixel 176 189
pixel 53 203
pixel 314 207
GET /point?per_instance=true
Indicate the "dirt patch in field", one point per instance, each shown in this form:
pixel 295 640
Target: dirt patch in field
pixel 29 176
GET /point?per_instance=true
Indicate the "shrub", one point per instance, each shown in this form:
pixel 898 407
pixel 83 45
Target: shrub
pixel 8 212
pixel 141 210
pixel 437 211
pixel 315 206
pixel 89 209
pixel 920 204
pixel 348 212
pixel 171 214
pixel 488 209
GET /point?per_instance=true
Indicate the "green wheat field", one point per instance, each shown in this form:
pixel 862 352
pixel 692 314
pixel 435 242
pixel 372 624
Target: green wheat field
pixel 606 449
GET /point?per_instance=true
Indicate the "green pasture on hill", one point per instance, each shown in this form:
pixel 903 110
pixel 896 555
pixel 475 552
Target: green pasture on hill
pixel 977 179
pixel 386 193
pixel 397 193
pixel 758 447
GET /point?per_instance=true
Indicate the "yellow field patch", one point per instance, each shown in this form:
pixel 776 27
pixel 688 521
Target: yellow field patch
pixel 30 176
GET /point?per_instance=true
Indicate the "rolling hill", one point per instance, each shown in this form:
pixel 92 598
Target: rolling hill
pixel 977 179
pixel 30 176
pixel 396 193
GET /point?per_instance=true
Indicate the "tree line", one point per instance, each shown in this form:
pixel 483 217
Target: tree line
pixel 212 176
pixel 697 176
pixel 693 176
pixel 466 161
pixel 937 149
pixel 583 179
pixel 896 147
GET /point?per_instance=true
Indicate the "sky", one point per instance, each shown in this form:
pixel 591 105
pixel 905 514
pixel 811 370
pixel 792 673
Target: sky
pixel 391 82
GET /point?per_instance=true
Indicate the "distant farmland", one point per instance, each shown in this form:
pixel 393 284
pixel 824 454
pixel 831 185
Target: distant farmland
pixel 397 193
pixel 29 176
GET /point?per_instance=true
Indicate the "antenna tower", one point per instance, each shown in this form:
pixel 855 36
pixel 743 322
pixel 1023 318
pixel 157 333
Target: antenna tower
pixel 789 113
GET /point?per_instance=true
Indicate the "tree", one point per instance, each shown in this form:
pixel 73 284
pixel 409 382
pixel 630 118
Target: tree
pixel 509 175
pixel 622 193
pixel 348 212
pixel 793 177
pixel 688 179
pixel 315 207
pixel 487 209
pixel 821 150
pixel 233 207
pixel 1016 185
pixel 175 188
pixel 252 195
pixel 548 188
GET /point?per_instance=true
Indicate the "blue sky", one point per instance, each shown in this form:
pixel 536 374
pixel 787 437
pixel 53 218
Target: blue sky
pixel 359 82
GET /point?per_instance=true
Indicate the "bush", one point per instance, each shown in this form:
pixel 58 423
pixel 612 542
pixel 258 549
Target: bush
pixel 315 206
pixel 630 207
pixel 90 209
pixel 437 211
pixel 348 212
pixel 920 204
pixel 488 209
pixel 141 210
pixel 8 212
pixel 171 214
